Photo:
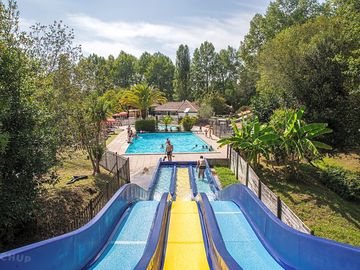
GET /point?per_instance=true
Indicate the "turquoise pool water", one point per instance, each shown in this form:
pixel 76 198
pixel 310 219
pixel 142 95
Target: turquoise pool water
pixel 183 142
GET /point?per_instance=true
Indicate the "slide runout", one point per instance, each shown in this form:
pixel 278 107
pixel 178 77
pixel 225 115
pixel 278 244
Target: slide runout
pixel 128 243
pixel 162 183
pixel 183 188
pixel 240 239
pixel 185 245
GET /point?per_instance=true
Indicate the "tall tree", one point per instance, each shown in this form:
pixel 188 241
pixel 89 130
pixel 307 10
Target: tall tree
pixel 124 73
pixel 142 65
pixel 182 73
pixel 160 73
pixel 204 69
pixel 27 148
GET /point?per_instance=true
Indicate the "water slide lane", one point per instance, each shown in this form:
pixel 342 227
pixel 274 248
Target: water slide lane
pixel 185 245
pixel 240 240
pixel 128 243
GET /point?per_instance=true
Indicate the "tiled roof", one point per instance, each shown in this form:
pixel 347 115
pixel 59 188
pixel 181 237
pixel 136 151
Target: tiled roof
pixel 177 107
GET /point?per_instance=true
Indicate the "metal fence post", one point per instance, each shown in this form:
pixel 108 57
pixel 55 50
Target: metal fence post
pixel 230 148
pixel 259 189
pixel 106 161
pixel 117 169
pixel 279 208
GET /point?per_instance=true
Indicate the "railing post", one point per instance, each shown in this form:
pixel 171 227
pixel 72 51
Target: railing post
pixel 128 170
pixel 279 208
pixel 106 161
pixel 107 191
pixel 117 169
pixel 247 174
pixel 259 189
pixel 230 148
pixel 237 166
pixel 227 151
pixel 91 209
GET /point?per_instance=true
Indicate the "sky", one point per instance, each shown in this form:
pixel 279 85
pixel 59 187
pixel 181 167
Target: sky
pixel 108 26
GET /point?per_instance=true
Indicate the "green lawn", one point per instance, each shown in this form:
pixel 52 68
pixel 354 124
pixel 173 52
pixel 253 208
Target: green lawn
pixel 321 209
pixel 226 176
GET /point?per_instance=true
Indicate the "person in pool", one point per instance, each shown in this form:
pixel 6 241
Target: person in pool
pixel 169 150
pixel 200 167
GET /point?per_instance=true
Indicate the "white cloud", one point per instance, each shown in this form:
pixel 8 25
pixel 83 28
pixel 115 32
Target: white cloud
pixel 105 38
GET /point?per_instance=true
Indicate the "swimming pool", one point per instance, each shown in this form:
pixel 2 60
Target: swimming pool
pixel 183 142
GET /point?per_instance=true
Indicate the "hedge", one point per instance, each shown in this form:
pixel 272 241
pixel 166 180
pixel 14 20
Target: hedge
pixel 145 125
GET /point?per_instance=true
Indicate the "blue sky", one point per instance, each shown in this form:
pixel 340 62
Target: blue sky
pixel 109 26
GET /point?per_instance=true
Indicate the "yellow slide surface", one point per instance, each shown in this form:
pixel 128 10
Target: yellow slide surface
pixel 183 188
pixel 185 245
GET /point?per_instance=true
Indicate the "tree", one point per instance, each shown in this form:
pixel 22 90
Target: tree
pixel 182 73
pixel 298 67
pixel 188 122
pixel 27 143
pixel 124 73
pixel 160 74
pixel 142 96
pixel 297 139
pixel 203 69
pixel 142 65
pixel 252 140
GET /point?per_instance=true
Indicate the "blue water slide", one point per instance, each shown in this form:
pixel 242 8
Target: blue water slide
pixel 74 250
pixel 217 251
pixel 244 219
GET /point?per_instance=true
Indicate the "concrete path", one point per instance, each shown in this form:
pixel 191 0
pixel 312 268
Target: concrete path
pixel 142 166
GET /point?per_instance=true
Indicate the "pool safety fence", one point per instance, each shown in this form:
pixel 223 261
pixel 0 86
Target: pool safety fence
pixel 119 168
pixel 247 176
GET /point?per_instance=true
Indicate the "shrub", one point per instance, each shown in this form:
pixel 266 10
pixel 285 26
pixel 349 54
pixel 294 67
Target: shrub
pixel 344 183
pixel 188 122
pixel 145 125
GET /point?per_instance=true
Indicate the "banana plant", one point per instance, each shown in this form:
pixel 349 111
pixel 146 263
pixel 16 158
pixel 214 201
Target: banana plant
pixel 299 138
pixel 252 140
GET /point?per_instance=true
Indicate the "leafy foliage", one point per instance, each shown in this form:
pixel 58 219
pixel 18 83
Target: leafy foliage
pixel 142 97
pixel 167 121
pixel 145 125
pixel 341 181
pixel 188 122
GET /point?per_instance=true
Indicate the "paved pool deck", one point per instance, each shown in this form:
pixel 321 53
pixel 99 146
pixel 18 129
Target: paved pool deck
pixel 142 165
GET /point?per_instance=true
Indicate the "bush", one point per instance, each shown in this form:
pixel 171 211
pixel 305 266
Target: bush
pixel 346 184
pixel 188 122
pixel 145 125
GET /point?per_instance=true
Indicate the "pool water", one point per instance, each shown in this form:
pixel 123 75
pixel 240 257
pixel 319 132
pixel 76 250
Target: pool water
pixel 183 142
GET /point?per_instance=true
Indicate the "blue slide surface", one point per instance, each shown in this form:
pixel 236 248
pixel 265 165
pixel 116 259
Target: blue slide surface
pixel 127 245
pixel 240 239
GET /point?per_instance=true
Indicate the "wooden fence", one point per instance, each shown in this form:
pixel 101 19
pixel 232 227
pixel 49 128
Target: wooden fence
pixel 246 175
pixel 119 168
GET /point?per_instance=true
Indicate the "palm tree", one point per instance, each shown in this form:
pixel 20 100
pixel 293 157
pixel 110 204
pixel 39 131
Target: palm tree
pixel 166 121
pixel 142 96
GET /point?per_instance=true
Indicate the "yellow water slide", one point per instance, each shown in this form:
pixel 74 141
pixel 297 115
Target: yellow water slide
pixel 185 245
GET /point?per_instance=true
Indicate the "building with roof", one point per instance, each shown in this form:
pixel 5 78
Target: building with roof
pixel 179 109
